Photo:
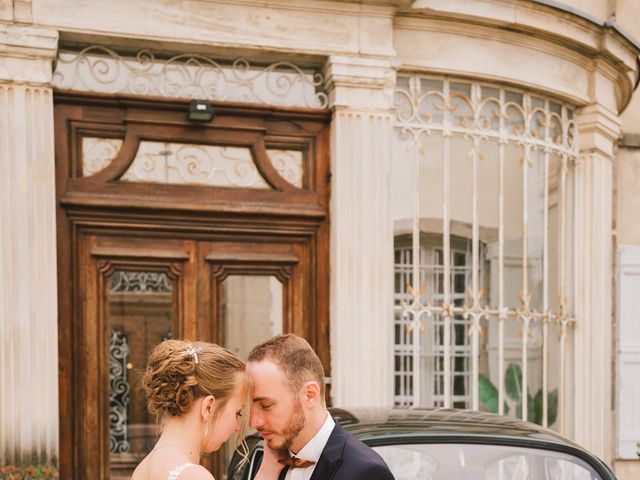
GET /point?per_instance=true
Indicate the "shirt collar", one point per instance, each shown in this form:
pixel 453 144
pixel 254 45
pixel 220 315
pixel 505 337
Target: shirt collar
pixel 314 447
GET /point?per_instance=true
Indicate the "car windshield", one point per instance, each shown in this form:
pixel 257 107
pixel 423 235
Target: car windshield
pixel 482 462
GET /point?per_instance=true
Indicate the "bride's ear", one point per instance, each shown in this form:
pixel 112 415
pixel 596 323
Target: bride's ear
pixel 207 407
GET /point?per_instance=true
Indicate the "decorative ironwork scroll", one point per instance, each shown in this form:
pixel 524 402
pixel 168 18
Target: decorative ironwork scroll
pixel 99 69
pixel 175 163
pixel 98 153
pixel 123 281
pixel 186 164
pixel 288 164
pixel 118 392
pixel 488 166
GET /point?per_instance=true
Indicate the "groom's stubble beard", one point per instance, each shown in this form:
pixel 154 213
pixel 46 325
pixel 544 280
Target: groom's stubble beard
pixel 294 427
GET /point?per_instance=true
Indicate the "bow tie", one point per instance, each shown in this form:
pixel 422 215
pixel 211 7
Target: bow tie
pixel 295 462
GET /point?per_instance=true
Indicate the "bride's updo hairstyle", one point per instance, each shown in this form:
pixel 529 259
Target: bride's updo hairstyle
pixel 179 372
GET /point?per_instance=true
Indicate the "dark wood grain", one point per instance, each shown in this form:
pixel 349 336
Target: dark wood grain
pixel 196 234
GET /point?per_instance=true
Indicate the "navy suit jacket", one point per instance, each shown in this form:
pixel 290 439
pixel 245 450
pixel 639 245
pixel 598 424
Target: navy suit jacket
pixel 346 458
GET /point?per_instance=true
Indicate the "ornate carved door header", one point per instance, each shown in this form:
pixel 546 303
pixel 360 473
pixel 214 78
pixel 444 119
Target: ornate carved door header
pixel 123 150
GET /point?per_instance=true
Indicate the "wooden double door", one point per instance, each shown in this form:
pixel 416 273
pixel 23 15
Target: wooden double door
pixel 138 291
pixel 141 262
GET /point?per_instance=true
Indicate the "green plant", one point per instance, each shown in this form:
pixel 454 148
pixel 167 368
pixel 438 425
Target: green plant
pixel 35 472
pixel 513 389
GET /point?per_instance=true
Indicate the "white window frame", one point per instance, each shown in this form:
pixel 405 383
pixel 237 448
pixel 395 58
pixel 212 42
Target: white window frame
pixel 431 274
pixel 628 353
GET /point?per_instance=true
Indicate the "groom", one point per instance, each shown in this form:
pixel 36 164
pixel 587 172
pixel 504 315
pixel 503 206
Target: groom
pixel 289 411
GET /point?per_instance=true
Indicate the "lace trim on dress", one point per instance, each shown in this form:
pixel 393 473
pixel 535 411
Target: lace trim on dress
pixel 175 473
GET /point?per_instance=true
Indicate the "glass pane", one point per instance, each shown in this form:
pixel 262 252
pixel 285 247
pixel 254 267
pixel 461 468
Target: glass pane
pixel 98 153
pixel 289 165
pixel 490 462
pixel 188 164
pixel 252 311
pixel 140 313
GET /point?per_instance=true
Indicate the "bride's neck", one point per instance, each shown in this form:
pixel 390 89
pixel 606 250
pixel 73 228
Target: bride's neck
pixel 184 435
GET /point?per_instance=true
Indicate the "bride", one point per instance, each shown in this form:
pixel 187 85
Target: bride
pixel 198 391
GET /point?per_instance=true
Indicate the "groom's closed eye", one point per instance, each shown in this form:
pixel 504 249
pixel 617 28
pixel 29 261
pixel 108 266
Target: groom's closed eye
pixel 263 402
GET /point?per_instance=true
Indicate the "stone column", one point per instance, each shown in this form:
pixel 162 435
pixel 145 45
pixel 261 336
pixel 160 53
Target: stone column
pixel 28 276
pixel 599 129
pixel 361 94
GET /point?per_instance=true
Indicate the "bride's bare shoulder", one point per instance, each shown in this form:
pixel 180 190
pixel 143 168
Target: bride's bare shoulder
pixel 141 471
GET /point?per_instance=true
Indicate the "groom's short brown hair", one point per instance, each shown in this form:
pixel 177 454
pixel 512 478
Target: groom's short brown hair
pixel 295 357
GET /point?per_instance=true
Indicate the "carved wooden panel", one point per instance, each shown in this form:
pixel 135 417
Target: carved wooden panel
pixel 119 240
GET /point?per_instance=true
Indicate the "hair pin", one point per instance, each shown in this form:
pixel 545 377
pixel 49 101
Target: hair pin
pixel 193 351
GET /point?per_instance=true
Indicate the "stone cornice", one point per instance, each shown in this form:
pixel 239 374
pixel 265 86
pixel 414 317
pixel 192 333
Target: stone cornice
pixel 562 26
pixel 402 5
pixel 515 18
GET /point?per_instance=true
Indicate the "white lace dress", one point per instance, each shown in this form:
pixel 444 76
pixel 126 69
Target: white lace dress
pixel 175 473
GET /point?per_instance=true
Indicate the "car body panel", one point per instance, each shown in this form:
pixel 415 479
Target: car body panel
pixel 382 428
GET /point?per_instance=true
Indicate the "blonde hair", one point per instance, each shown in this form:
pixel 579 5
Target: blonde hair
pixel 179 372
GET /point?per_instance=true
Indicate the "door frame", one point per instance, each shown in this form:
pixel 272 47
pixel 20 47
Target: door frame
pixel 101 205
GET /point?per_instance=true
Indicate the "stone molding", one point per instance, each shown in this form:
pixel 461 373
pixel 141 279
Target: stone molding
pixel 600 130
pixel 568 27
pixel 357 83
pixel 433 36
pixel 630 140
pixel 27 54
pixel 231 27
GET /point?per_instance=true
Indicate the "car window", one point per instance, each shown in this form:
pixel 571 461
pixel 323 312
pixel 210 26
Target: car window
pixel 482 462
pixel 559 469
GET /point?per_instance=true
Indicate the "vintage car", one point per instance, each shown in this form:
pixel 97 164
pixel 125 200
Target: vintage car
pixel 446 444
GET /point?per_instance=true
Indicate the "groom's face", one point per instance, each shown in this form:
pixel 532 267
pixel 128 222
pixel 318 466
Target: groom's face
pixel 276 412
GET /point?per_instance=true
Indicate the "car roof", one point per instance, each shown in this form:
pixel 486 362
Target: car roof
pixel 440 422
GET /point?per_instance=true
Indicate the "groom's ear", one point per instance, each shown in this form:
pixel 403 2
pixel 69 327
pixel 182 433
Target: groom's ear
pixel 311 392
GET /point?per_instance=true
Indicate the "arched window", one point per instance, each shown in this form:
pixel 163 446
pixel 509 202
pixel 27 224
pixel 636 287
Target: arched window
pixel 482 200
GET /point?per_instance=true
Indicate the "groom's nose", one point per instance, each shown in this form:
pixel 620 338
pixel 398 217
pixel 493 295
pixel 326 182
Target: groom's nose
pixel 256 419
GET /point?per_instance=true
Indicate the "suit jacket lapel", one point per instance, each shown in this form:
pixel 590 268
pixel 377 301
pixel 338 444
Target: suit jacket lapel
pixel 331 456
pixel 283 473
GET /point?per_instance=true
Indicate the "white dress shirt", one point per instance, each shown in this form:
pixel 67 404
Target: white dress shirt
pixel 312 451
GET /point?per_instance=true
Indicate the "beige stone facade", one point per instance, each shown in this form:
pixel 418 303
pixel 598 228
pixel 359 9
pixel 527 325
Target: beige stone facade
pixel 580 54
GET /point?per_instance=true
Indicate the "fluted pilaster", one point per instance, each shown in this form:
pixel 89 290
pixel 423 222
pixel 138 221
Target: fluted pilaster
pixel 28 277
pixel 361 233
pixel 599 129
